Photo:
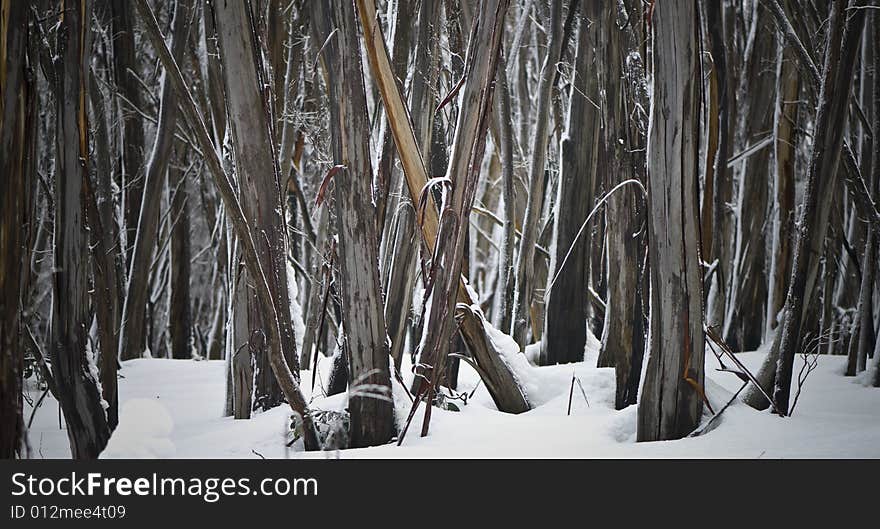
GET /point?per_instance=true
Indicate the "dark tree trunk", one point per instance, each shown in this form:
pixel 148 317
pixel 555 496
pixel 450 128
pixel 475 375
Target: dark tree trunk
pixel 623 337
pixel 567 309
pixel 125 70
pixel 180 311
pixel 16 120
pixel 106 258
pixel 748 296
pixel 77 387
pixel 671 401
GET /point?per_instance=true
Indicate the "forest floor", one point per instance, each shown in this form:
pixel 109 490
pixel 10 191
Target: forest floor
pixel 173 408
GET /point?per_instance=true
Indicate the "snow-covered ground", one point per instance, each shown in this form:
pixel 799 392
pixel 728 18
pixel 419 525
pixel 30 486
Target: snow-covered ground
pixel 174 407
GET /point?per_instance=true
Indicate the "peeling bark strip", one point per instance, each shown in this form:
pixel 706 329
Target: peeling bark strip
pixel 289 384
pixel 77 387
pixel 671 405
pixel 372 412
pixel 16 101
pixel 496 374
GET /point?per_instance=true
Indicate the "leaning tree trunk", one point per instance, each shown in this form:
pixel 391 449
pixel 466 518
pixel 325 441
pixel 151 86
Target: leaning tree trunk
pixel 132 337
pixel 16 119
pixel 526 265
pixel 372 413
pixel 494 371
pixel 671 403
pixel 813 220
pixel 565 329
pixel 260 188
pixel 463 172
pixel 77 387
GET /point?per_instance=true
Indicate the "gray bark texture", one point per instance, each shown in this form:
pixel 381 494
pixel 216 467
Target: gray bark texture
pixel 671 402
pixel 372 413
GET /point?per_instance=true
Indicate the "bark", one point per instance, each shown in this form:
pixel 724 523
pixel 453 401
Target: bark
pixel 401 282
pixel 372 413
pixel 133 336
pixel 125 70
pixel 670 405
pixel 287 381
pixel 180 312
pixel 812 223
pixel 17 104
pixel 77 387
pixel 526 266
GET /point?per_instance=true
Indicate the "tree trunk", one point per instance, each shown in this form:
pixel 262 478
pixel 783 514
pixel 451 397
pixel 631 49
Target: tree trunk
pixel 125 71
pixel 495 372
pixel 77 387
pixel 565 327
pixel 180 312
pixel 475 105
pixel 372 413
pixel 785 120
pixel 260 188
pixel 671 401
pixel 106 257
pixel 623 337
pixel 17 107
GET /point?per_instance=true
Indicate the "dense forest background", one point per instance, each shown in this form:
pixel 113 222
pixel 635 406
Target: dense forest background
pixel 408 186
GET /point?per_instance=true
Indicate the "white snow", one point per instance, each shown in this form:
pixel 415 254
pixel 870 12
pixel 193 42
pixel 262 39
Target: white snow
pixel 144 431
pixel 170 409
